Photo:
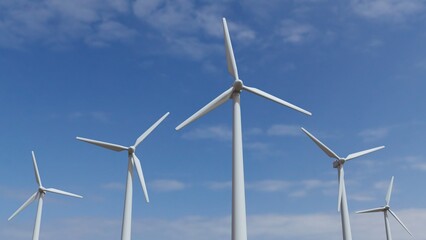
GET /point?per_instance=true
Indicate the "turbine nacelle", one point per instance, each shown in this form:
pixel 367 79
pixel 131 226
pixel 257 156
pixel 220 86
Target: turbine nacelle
pixel 339 163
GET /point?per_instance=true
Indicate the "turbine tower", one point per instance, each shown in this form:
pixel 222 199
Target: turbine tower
pixel 342 204
pixel 239 227
pixel 39 195
pixel 133 161
pixel 386 209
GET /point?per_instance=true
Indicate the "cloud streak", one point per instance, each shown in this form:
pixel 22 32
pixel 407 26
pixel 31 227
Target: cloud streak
pixel 260 227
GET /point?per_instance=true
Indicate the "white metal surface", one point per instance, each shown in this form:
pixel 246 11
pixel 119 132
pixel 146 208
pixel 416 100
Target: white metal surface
pixel 133 161
pixel 39 195
pixel 386 209
pixel 239 226
pixel 342 204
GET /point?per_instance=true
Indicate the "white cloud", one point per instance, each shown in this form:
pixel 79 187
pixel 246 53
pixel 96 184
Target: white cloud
pixel 110 31
pixel 212 132
pixel 370 135
pixel 167 185
pixel 284 130
pixel 184 24
pixel 219 185
pixel 295 32
pixel 269 185
pixel 416 162
pixel 260 227
pixel 57 23
pixel 387 9
pixel 113 186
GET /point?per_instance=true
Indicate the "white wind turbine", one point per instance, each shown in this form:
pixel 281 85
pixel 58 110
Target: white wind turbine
pixel 386 209
pixel 39 195
pixel 342 204
pixel 133 161
pixel 239 227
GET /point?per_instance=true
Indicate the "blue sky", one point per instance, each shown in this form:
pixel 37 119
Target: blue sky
pixel 109 69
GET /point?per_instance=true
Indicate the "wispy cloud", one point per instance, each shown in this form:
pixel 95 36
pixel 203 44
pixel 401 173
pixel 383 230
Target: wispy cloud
pixel 219 185
pixel 374 134
pixel 284 130
pixel 261 227
pixel 113 186
pixel 295 32
pixel 294 188
pixel 58 23
pixel 167 185
pixel 416 162
pixel 269 185
pixel 222 133
pixel 387 9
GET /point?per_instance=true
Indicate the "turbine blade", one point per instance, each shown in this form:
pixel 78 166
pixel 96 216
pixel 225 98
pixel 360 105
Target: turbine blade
pixel 359 154
pixel 388 195
pixel 110 146
pixel 341 184
pixel 275 99
pixel 28 202
pixel 321 145
pixel 400 222
pixel 380 209
pixel 57 191
pixel 138 166
pixel 210 106
pixel 36 172
pixel 230 59
pixel 147 132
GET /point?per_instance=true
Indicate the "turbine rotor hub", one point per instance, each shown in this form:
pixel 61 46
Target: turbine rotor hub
pixel 238 85
pixel 132 149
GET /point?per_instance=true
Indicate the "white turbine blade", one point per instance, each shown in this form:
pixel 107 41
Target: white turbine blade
pixel 275 99
pixel 341 184
pixel 138 166
pixel 36 172
pixel 110 146
pixel 28 202
pixel 147 132
pixel 359 154
pixel 321 145
pixel 230 59
pixel 210 106
pixel 380 209
pixel 400 222
pixel 388 195
pixel 57 191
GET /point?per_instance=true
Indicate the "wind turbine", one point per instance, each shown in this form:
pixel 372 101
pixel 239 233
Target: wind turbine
pixel 239 226
pixel 39 195
pixel 386 209
pixel 342 205
pixel 133 161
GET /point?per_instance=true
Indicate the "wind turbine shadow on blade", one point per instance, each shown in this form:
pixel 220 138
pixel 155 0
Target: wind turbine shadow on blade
pixel 133 161
pixel 39 195
pixel 342 205
pixel 386 209
pixel 239 227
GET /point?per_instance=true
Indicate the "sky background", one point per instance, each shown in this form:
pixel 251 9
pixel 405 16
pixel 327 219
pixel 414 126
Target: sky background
pixel 108 69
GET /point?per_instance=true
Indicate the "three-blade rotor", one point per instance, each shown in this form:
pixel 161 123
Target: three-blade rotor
pixel 131 151
pixel 386 208
pixel 339 162
pixel 237 86
pixel 41 191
